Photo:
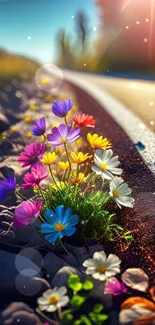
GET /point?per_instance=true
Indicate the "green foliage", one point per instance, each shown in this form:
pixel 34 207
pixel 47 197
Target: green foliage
pixel 77 300
pixel 90 204
pixel 98 319
pixel 88 285
pixel 98 308
pixel 74 283
pixel 68 317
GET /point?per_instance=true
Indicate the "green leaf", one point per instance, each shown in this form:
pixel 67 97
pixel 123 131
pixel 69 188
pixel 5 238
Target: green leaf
pixel 101 317
pixel 85 320
pixel 98 308
pixel 77 322
pixel 92 316
pixel 68 317
pixel 77 300
pixel 74 282
pixel 88 285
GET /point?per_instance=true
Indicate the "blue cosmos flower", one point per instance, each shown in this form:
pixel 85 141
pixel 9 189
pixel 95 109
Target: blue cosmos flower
pixel 39 127
pixel 6 186
pixel 61 109
pixel 59 223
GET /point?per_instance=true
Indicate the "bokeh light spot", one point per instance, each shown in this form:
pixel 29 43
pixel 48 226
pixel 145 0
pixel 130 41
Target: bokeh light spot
pixel 29 262
pixel 49 78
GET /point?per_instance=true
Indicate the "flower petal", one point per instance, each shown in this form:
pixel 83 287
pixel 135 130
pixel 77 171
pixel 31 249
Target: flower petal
pixel 136 278
pixel 52 237
pixel 69 231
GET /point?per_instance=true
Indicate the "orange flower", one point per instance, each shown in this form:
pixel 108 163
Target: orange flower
pixel 84 120
pixel 138 310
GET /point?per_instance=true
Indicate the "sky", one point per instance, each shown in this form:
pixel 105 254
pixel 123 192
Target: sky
pixel 28 27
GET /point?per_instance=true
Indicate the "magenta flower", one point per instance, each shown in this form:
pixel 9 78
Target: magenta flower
pixel 25 212
pixel 31 154
pixel 62 135
pixel 39 127
pixel 61 109
pixel 114 287
pixel 37 174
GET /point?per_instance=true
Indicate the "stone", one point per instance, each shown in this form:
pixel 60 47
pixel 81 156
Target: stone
pixel 19 313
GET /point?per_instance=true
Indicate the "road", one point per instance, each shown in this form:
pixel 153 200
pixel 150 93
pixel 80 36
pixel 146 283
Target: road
pixel 129 102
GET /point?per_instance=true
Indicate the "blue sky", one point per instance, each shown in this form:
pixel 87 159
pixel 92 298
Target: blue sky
pixel 40 19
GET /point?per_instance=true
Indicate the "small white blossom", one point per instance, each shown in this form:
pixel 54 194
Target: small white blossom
pixel 53 299
pixel 105 164
pixel 120 191
pixel 101 267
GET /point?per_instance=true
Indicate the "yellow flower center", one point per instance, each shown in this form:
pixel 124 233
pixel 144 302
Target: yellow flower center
pixel 64 140
pixel 103 166
pixel 116 193
pixel 101 268
pixel 59 227
pixel 53 300
pixel 32 106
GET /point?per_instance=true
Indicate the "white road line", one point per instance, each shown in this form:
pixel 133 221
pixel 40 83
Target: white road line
pixel 128 121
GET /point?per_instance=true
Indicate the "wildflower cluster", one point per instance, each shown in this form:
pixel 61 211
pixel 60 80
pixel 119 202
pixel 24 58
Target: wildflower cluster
pixel 79 185
pixel 67 303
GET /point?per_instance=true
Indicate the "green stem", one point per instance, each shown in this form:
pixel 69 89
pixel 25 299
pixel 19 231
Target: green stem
pixel 70 167
pixel 46 317
pixel 77 171
pixel 65 120
pixel 41 193
pixel 60 314
pixel 52 176
pixel 63 246
pixel 20 195
pixel 107 200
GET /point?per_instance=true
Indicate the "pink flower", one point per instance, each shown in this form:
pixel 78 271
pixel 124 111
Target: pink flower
pixel 37 174
pixel 31 154
pixel 25 212
pixel 114 287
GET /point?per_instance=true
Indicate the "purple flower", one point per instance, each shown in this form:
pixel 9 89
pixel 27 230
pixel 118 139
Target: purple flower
pixel 61 109
pixel 63 134
pixel 39 127
pixel 114 287
pixel 6 186
pixel 25 212
pixel 31 154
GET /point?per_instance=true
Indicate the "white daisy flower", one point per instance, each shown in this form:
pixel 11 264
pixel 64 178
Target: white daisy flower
pixel 105 164
pixel 53 299
pixel 120 191
pixel 101 267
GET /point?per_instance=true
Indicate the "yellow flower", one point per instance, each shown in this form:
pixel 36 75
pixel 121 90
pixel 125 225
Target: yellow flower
pixel 79 178
pixel 78 142
pixel 63 165
pixel 58 150
pixel 13 129
pixel 27 119
pixel 28 134
pixel 32 107
pixel 49 158
pixel 48 98
pixel 54 125
pixel 75 107
pixel 3 135
pixel 97 141
pixel 79 158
